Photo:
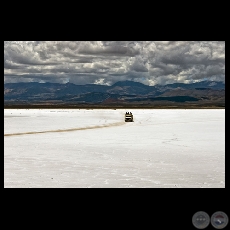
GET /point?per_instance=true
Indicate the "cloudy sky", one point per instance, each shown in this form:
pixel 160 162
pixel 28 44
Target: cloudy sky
pixel 106 62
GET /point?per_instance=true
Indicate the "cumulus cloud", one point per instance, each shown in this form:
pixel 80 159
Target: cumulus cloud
pixel 106 62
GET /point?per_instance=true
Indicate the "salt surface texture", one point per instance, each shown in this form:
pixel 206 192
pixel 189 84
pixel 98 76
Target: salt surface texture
pixel 96 148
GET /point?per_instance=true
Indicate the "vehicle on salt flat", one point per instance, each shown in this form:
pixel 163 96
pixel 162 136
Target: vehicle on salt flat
pixel 128 117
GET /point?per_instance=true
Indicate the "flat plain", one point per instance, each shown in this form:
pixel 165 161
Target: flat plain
pixel 95 148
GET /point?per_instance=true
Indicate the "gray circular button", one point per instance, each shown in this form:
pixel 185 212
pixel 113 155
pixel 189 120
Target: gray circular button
pixel 201 220
pixel 219 220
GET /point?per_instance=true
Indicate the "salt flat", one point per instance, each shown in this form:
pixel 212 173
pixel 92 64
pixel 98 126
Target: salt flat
pixel 162 148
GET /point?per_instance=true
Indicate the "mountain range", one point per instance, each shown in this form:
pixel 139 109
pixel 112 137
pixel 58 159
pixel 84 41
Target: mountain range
pixel 122 93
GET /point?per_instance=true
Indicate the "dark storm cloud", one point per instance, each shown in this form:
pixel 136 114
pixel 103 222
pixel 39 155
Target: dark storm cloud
pixel 138 65
pixel 106 62
pixel 108 51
